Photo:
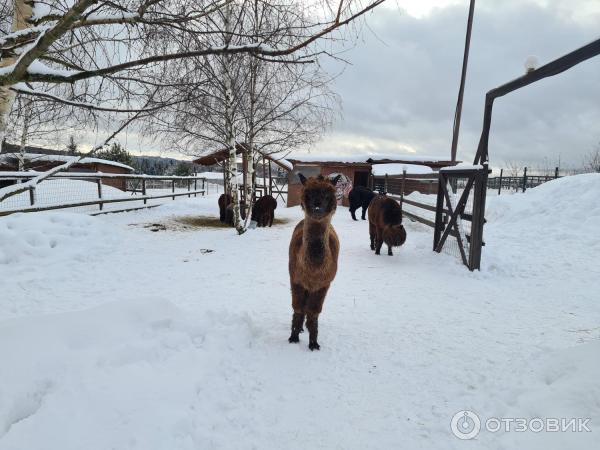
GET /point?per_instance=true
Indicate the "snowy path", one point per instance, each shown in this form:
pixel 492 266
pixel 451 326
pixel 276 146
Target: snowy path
pixel 113 336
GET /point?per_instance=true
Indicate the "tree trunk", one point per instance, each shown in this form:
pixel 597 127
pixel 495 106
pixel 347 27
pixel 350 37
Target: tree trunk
pixel 231 179
pixel 24 133
pixel 23 11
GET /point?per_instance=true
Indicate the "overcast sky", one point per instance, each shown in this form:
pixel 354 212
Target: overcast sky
pixel 400 91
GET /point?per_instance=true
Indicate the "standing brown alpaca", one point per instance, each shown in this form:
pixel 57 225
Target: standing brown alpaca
pixel 385 224
pixel 263 211
pixel 224 201
pixel 314 252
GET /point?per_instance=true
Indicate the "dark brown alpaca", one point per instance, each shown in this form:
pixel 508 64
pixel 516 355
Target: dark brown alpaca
pixel 314 252
pixel 229 213
pixel 224 201
pixel 263 211
pixel 385 224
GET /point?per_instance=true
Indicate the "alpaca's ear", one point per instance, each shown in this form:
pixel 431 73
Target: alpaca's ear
pixel 335 180
pixel 302 178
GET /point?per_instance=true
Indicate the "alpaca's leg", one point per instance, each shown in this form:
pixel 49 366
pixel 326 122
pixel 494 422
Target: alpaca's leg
pixel 299 297
pixel 353 212
pixel 312 323
pixel 297 327
pixel 372 235
pixel 364 212
pixel 378 242
pixel 390 250
pixel 314 305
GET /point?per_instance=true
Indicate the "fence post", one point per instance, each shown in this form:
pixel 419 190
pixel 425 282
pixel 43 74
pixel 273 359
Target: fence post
pixel 524 179
pixel 32 195
pixel 189 187
pixel 402 189
pixel 205 188
pixel 500 184
pixel 478 219
pixel 385 184
pixel 144 190
pixel 173 187
pixel 439 216
pixel 556 173
pixel 99 183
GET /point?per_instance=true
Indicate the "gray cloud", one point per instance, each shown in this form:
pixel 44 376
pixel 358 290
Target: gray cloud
pixel 400 91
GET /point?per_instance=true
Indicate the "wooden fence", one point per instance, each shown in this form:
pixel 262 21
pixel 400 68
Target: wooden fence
pixel 458 211
pixel 78 190
pixel 522 183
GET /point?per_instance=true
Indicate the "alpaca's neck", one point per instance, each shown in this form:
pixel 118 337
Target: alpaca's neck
pixel 315 239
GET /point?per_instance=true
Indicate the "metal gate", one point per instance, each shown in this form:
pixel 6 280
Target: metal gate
pixel 460 212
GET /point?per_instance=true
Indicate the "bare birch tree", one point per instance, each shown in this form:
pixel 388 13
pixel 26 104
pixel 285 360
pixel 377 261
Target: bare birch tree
pixel 116 57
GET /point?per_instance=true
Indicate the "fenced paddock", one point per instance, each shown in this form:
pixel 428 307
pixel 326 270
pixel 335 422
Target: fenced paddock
pixel 97 193
pixel 519 183
pixel 451 202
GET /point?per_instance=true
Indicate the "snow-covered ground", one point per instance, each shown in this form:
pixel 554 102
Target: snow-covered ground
pixel 113 336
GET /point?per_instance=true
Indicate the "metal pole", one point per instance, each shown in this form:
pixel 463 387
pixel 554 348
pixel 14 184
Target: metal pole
pixel 402 192
pixel 32 195
pixel 144 190
pixel 99 182
pixel 461 90
pixel 500 183
pixel 524 179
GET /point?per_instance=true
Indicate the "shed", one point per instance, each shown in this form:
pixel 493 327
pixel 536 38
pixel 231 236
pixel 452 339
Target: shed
pixel 359 169
pixel 42 159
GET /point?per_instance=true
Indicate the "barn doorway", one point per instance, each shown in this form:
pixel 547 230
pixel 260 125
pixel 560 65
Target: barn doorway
pixel 361 178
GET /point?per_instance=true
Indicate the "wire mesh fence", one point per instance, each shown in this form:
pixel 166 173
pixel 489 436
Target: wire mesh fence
pixel 96 192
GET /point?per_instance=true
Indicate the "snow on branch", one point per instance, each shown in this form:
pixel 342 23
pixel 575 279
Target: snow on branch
pixel 21 88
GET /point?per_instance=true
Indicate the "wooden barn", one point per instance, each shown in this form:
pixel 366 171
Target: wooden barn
pixel 364 170
pixel 268 169
pixel 42 159
pixel 369 170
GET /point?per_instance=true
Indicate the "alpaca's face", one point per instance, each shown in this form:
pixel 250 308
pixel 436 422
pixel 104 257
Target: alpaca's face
pixel 318 197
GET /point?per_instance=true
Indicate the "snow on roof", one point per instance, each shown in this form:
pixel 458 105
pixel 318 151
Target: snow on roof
pixel 361 157
pixel 462 166
pixel 282 162
pixel 397 169
pixel 64 158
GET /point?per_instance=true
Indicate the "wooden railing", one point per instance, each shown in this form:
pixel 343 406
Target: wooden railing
pixel 77 190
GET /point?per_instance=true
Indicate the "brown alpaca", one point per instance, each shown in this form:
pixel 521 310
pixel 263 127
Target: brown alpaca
pixel 385 224
pixel 314 252
pixel 229 213
pixel 263 211
pixel 224 201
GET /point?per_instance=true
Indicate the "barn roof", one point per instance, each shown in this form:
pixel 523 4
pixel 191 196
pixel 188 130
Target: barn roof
pixel 398 169
pixel 218 156
pixel 368 158
pixel 11 158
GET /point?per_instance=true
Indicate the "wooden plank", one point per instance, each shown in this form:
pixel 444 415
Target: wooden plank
pixel 90 203
pixel 419 219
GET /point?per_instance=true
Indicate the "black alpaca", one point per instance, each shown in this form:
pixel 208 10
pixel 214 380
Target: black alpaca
pixel 360 196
